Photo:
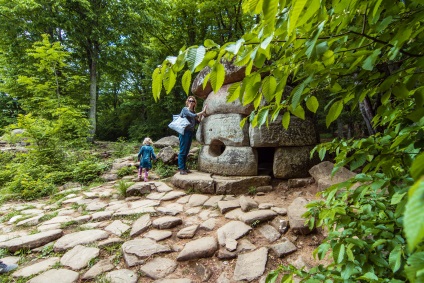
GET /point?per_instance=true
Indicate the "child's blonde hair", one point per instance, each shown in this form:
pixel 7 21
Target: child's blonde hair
pixel 147 141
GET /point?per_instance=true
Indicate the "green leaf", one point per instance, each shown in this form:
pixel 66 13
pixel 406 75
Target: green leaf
pixel 269 8
pixel 233 92
pixel 206 80
pixel 156 83
pixel 217 76
pixel 338 252
pixel 235 47
pixel 210 43
pixel 400 91
pixel 369 276
pixel 298 91
pixel 370 61
pixel 395 258
pixel 334 112
pixel 266 42
pixel 262 116
pixel 286 120
pixel 322 250
pixel 169 81
pixel 272 276
pixel 195 57
pixel 417 167
pixel 269 85
pixel 295 12
pixel 299 112
pixel 243 122
pixel 252 6
pixel 313 7
pixel 311 43
pixel 312 104
pixel 414 215
pixel 414 267
pixel 397 198
pixel 186 81
pixel 328 58
pixel 253 83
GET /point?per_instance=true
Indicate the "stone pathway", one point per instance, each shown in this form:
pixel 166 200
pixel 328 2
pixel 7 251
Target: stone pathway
pixel 156 234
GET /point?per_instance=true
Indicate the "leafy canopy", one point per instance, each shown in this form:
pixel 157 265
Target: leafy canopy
pixel 344 52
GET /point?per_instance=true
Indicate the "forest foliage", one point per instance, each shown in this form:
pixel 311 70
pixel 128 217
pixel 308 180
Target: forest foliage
pixel 69 69
pixel 338 56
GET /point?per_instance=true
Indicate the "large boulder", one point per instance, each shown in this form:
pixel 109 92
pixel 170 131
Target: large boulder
pixel 217 103
pixel 172 141
pixel 228 160
pixel 197 181
pixel 167 155
pixel 225 128
pixel 300 133
pixel 232 74
pixel 239 184
pixel 322 175
pixel 293 162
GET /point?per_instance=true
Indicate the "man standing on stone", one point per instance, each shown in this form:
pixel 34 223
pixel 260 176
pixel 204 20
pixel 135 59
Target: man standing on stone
pixel 185 139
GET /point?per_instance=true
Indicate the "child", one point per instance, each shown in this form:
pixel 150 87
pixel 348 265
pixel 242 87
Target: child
pixel 147 154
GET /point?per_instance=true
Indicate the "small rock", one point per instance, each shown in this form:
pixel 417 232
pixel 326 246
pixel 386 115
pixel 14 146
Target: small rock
pixel 167 222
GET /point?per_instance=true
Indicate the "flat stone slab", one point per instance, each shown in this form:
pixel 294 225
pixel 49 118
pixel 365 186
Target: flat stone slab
pixel 227 205
pixel 158 267
pixel 31 241
pixel 122 276
pixel 208 225
pixel 250 266
pixel 269 232
pixel 79 238
pixel 56 275
pixel 167 222
pixel 171 209
pixel 117 228
pixel 144 247
pixel 30 221
pixel 295 211
pixel 162 187
pixel 94 206
pixel 197 200
pixel 198 181
pixel 180 280
pixel 158 235
pixel 257 216
pixel 79 257
pixel 283 248
pixel 187 232
pixel 135 207
pixel 200 248
pixel 99 268
pixel 213 201
pixel 239 184
pixel 232 230
pixel 140 225
pixel 36 268
pixel 102 215
pixel 247 203
pixel 173 195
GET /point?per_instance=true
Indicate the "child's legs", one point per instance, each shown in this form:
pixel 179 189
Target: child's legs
pixel 140 171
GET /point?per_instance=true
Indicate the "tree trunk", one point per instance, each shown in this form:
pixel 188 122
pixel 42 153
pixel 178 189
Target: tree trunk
pixel 93 93
pixel 368 114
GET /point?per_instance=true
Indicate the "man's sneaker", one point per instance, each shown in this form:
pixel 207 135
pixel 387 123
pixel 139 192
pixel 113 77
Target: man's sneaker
pixel 4 268
pixel 183 172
